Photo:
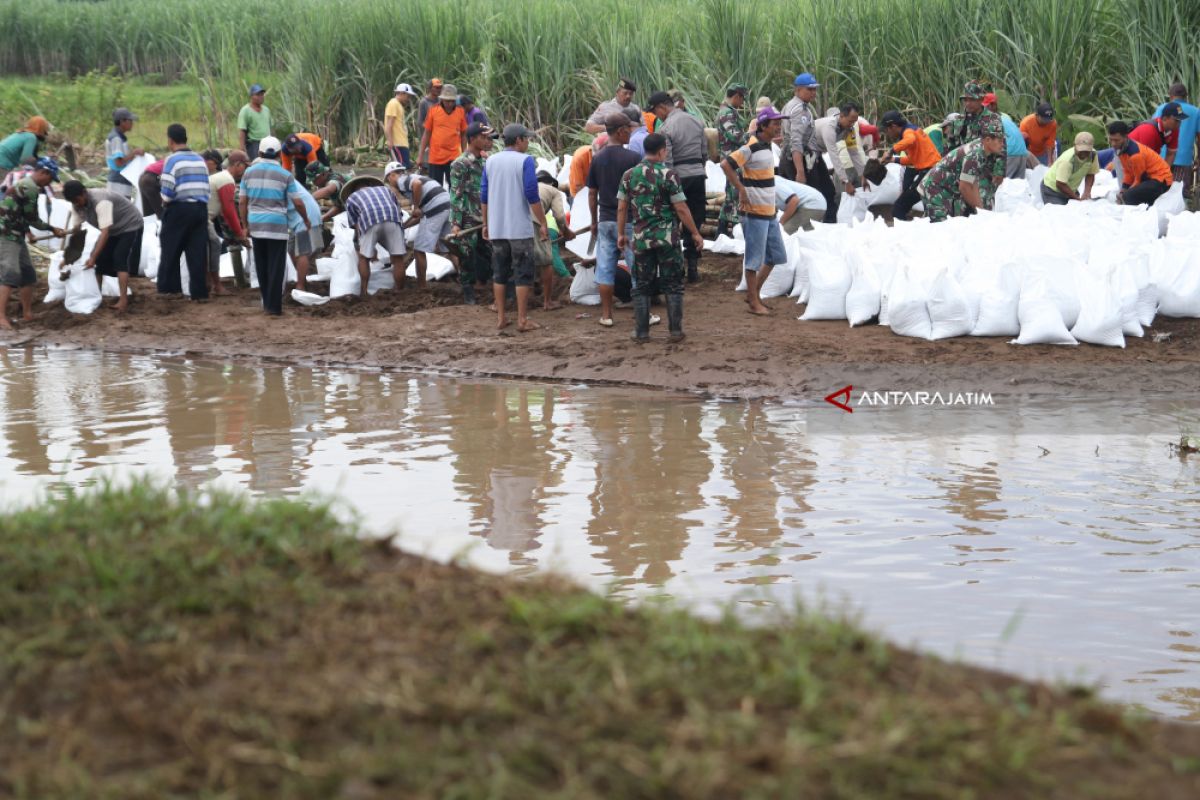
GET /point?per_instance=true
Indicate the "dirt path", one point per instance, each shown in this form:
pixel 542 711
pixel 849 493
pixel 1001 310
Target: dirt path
pixel 728 352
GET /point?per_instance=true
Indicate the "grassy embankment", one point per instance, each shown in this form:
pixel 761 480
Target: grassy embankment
pixel 158 645
pixel 547 62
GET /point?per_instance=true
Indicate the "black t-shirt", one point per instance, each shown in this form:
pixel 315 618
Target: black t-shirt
pixel 604 177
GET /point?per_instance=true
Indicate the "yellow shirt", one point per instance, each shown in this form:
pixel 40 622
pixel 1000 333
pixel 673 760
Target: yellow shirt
pixel 399 132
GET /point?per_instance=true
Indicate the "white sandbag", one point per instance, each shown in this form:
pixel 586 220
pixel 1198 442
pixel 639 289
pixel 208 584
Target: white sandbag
pixel 908 307
pixel 381 279
pixel 1012 196
pixel 949 308
pixel 1063 291
pixel 56 212
pixel 888 191
pixel 1184 226
pixel 863 296
pixel 726 245
pixel 563 178
pixel 345 282
pixel 547 165
pixel 583 287
pixel 308 298
pixel 581 217
pixel 436 267
pixel 57 290
pixel 737 234
pixel 148 263
pixel 1033 183
pixel 829 280
pixel 1099 313
pixel 1126 293
pixel 110 286
pixel 1168 205
pixel 998 305
pixel 1041 321
pixel 714 178
pixel 853 208
pixel 83 293
pixel 779 282
pixel 1179 280
pixel 324 267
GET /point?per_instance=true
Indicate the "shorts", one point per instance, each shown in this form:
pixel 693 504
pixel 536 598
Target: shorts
pixel 512 259
pixel 607 252
pixel 764 243
pixel 306 243
pixel 16 268
pixel 430 231
pixel 803 218
pixel 387 234
pixel 121 253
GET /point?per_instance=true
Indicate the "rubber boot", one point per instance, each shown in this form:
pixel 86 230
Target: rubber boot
pixel 469 295
pixel 723 228
pixel 693 267
pixel 641 318
pixel 675 316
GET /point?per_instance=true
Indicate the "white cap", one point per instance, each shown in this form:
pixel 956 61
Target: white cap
pixel 393 166
pixel 405 88
pixel 269 146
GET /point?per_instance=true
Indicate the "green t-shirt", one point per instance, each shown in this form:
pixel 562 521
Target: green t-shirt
pixel 17 148
pixel 1070 170
pixel 256 124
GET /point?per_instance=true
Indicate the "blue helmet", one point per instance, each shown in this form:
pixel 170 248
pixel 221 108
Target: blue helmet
pixel 49 164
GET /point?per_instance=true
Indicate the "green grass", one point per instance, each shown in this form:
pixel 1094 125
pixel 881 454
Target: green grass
pixel 547 62
pixel 156 644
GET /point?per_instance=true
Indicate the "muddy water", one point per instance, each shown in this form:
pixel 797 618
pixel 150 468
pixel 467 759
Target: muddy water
pixel 1007 544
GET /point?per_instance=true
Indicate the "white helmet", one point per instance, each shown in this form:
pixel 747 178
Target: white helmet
pixel 269 146
pixel 393 166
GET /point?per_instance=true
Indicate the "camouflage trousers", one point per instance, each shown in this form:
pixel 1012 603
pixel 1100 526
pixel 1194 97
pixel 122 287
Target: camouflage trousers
pixel 729 209
pixel 474 259
pixel 940 206
pixel 665 263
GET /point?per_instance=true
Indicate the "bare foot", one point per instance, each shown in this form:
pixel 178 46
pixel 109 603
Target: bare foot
pixel 551 306
pixel 122 306
pixel 528 325
pixel 5 325
pixel 503 323
pixel 760 310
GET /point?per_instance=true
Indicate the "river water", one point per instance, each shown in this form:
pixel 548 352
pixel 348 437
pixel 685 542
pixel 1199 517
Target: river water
pixel 1008 544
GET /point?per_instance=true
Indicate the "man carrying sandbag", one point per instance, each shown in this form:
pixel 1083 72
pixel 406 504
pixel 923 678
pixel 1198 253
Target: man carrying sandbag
pixel 967 178
pixel 118 251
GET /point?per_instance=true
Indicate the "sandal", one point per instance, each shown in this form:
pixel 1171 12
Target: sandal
pixel 608 323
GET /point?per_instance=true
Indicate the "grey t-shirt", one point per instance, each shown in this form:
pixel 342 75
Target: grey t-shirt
pixel 686 143
pixel 609 107
pixel 107 209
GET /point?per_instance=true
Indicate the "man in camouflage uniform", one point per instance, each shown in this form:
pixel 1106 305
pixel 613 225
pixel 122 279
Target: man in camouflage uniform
pixel 19 213
pixel 651 195
pixel 967 178
pixel 731 134
pixel 327 185
pixel 474 254
pixel 968 126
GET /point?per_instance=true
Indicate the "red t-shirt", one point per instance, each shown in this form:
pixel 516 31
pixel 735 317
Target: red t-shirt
pixel 1151 134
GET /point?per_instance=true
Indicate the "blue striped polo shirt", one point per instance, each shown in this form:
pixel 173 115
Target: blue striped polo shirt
pixel 269 189
pixel 371 206
pixel 184 178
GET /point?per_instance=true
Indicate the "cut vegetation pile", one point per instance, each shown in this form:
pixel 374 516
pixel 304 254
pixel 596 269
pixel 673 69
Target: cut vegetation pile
pixel 161 645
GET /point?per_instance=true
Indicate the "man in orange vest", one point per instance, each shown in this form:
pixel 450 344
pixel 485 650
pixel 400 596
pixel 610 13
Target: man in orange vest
pixel 300 150
pixel 1144 175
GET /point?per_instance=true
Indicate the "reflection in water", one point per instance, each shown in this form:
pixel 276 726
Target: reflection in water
pixel 945 540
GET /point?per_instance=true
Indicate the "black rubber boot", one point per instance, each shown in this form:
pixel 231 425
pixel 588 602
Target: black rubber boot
pixel 723 228
pixel 675 316
pixel 641 318
pixel 693 268
pixel 469 295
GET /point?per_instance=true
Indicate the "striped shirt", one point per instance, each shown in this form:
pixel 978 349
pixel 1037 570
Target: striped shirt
pixel 268 188
pixel 184 178
pixel 115 146
pixel 434 198
pixel 370 206
pixel 757 163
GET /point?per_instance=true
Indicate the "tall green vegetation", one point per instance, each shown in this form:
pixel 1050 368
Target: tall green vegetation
pixel 547 62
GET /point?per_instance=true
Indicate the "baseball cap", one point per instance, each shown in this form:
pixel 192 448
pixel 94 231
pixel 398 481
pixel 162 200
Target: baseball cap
pixel 404 88
pixel 659 99
pixel 1173 110
pixel 314 169
pixel 291 140
pixel 767 114
pixel 616 121
pixel 1044 110
pixel 122 114
pixel 515 130
pixel 892 118
pixel 989 98
pixel 257 89
pixel 393 166
pixel 737 88
pixel 625 83
pixel 1084 143
pixel 806 80
pixel 479 129
pixel 49 164
pixel 240 157
pixel 953 116
pixel 465 100
pixel 449 92
pixel 269 146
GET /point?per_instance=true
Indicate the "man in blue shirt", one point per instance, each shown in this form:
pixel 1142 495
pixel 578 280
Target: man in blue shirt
pixel 1014 141
pixel 267 189
pixel 1183 159
pixel 184 189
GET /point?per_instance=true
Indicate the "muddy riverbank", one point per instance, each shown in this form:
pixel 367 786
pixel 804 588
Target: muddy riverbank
pixel 728 352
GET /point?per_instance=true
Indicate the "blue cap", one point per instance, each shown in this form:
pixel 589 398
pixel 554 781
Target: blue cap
pixel 256 88
pixel 49 164
pixel 1173 110
pixel 807 80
